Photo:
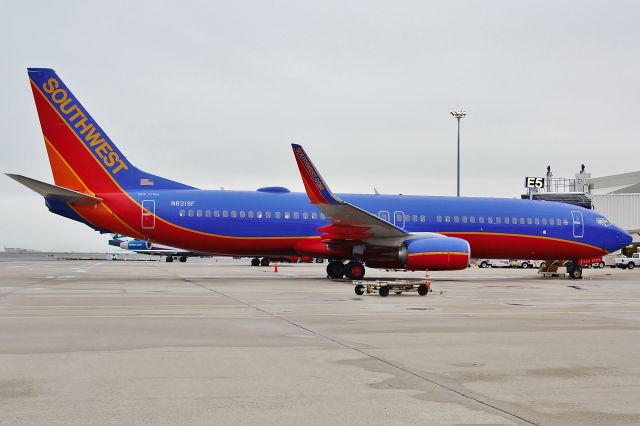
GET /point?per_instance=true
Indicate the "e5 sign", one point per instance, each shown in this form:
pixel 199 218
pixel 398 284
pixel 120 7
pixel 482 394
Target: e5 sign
pixel 534 182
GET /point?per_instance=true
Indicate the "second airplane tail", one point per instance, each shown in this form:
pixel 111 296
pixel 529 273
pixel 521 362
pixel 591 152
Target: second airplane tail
pixel 82 156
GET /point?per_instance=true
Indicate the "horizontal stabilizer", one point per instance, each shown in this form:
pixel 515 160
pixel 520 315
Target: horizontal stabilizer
pixel 48 190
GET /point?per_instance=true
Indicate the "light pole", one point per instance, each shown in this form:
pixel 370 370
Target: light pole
pixel 458 115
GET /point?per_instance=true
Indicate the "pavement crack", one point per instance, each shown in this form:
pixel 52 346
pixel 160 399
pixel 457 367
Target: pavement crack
pixel 365 354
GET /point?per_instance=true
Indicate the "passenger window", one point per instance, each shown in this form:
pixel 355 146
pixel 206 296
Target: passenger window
pixel 225 213
pixel 498 220
pixel 552 221
pixel 277 215
pixel 439 219
pixel 414 218
pixel 481 219
pixel 322 216
pixel 250 214
pixel 296 215
pixel 447 219
pixel 464 219
pixel 182 213
pixel 305 215
pixel 398 217
pixel 267 215
pixel 259 214
pixel 456 219
pixel 490 219
pixel 199 213
pixel 314 215
pixel 565 222
pixel 529 221
pixel 216 213
pixel 544 221
pixel 207 213
pixel 506 220
pixel 558 221
pixel 407 218
pixel 422 218
pixel 287 215
pixel 242 214
pixel 234 213
pixel 190 213
pixel 472 219
pixel 522 221
pixel 537 221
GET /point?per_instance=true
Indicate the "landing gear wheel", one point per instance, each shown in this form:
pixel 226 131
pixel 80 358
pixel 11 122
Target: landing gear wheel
pixel 383 291
pixel 255 261
pixel 265 261
pixel 576 273
pixel 169 259
pixel 631 265
pixel 423 290
pixel 335 269
pixel 359 289
pixel 354 270
pixel 183 259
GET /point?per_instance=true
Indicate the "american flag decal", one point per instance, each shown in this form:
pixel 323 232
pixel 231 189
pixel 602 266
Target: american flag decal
pixel 146 182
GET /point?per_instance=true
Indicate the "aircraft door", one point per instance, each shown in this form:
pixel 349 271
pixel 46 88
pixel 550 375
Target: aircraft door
pixel 578 224
pixel 398 219
pixel 384 215
pixel 148 214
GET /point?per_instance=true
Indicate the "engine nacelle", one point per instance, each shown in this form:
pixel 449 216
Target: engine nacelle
pixel 136 245
pixel 435 254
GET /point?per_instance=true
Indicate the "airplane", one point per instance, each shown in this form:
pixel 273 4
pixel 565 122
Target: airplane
pixel 97 185
pixel 153 249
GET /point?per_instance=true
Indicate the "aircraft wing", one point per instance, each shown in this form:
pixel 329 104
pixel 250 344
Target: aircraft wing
pixel 348 222
pixel 48 190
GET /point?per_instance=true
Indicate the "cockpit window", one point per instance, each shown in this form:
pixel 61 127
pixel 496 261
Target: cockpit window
pixel 603 221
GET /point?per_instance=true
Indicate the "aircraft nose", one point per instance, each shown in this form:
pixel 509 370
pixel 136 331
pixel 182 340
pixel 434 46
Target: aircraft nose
pixel 625 237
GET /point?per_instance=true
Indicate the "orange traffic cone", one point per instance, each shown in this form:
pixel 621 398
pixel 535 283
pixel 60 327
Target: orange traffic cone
pixel 275 267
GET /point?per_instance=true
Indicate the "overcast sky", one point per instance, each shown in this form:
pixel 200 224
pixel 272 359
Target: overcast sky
pixel 212 94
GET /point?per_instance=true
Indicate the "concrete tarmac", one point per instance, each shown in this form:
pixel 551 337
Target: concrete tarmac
pixel 220 342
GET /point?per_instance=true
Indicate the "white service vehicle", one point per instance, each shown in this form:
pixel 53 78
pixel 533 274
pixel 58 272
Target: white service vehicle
pixel 628 262
pixel 527 263
pixel 494 263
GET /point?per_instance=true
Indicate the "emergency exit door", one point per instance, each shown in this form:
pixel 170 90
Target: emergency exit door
pixel 578 224
pixel 148 214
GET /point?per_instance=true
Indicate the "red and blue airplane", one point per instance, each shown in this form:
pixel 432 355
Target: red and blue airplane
pixel 95 184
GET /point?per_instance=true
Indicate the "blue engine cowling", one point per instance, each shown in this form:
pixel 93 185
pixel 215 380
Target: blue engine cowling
pixel 136 245
pixel 435 254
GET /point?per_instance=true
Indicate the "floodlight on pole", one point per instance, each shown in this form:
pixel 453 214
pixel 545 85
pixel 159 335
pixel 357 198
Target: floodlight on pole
pixel 458 115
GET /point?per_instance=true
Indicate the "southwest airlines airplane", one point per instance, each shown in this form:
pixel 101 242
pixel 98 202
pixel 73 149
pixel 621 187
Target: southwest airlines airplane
pixel 95 184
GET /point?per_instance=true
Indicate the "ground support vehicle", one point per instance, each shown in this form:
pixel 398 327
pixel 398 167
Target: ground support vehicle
pixel 628 262
pixel 384 287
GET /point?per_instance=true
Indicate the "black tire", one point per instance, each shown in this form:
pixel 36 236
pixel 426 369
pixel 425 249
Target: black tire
pixel 525 265
pixel 169 259
pixel 183 259
pixel 255 261
pixel 383 291
pixel 335 269
pixel 354 270
pixel 543 264
pixel 589 266
pixel 601 265
pixel 484 264
pixel 265 261
pixel 576 273
pixel 359 289
pixel 423 290
pixel 631 265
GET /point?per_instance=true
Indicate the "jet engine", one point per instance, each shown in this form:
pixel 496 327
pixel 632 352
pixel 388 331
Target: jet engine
pixel 435 254
pixel 136 245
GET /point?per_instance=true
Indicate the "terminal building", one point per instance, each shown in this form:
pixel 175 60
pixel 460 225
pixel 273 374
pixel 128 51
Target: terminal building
pixel 617 197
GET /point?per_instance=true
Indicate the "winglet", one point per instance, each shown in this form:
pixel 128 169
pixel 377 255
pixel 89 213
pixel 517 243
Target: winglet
pixel 317 189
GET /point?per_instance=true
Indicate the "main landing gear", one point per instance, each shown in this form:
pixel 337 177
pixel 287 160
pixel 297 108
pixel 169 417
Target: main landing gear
pixel 257 262
pixel 352 270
